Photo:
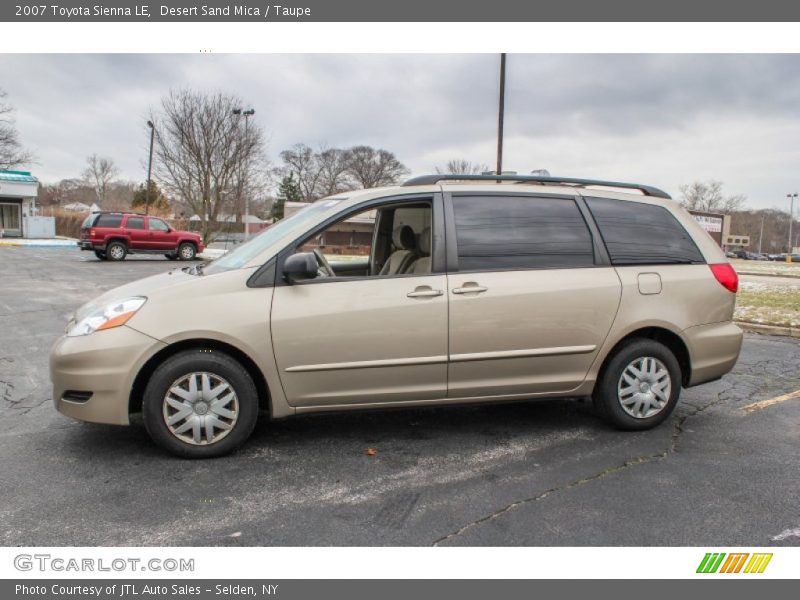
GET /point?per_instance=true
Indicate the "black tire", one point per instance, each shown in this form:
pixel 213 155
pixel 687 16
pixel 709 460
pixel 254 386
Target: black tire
pixel 116 251
pixel 199 361
pixel 187 251
pixel 100 254
pixel 171 256
pixel 606 395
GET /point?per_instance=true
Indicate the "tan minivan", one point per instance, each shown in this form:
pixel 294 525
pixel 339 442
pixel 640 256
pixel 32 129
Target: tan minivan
pixel 444 290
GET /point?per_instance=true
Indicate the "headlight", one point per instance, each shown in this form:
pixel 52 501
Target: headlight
pixel 111 315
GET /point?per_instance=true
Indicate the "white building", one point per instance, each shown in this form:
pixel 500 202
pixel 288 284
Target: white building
pixel 18 191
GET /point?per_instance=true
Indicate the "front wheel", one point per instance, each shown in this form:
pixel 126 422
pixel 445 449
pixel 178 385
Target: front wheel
pixel 187 251
pixel 640 385
pixel 200 404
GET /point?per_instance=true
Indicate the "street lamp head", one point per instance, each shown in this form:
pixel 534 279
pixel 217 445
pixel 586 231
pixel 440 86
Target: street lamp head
pixel 237 111
pixel 150 124
pixel 250 112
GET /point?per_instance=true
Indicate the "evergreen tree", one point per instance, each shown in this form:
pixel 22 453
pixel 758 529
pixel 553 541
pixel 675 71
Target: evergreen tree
pixel 289 190
pixel 159 203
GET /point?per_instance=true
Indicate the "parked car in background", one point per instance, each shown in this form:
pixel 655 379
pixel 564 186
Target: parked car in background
pixel 465 289
pixel 114 235
pixel 775 257
pixel 747 255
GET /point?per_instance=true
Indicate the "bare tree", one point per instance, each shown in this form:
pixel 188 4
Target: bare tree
pixel 200 150
pixel 12 153
pixel 460 166
pixel 333 165
pixel 301 160
pixel 708 197
pixel 100 172
pixel 371 168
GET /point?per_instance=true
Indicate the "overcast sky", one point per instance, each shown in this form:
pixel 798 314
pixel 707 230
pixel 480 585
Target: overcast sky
pixel 658 119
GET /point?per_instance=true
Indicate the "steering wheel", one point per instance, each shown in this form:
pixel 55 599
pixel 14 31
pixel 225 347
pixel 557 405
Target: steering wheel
pixel 323 262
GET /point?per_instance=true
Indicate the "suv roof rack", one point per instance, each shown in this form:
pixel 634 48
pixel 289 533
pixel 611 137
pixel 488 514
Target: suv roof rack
pixel 647 190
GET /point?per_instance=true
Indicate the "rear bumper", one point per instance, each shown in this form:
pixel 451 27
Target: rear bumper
pixel 713 348
pixel 86 245
pixel 103 365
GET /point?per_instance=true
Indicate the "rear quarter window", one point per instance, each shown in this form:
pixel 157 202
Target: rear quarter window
pixel 108 221
pixel 639 234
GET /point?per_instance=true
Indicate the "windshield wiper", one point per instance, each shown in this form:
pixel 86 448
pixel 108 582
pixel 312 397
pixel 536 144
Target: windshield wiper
pixel 194 270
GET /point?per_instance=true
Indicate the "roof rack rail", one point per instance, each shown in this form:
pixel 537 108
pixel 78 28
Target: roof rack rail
pixel 433 179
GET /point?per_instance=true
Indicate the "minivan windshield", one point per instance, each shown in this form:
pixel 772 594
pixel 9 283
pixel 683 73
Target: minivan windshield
pixel 237 258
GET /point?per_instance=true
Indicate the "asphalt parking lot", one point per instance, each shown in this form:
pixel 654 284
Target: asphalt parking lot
pixel 540 473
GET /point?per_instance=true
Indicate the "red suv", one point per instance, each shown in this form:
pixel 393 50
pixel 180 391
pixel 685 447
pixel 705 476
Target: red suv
pixel 114 235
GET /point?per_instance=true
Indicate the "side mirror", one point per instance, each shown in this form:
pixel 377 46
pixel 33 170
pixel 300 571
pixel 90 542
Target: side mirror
pixel 300 266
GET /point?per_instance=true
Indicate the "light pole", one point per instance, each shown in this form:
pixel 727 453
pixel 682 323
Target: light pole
pixel 791 198
pixel 501 109
pixel 761 234
pixel 247 114
pixel 149 168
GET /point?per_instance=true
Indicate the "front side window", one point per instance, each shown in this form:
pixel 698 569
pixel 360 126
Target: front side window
pixel 639 234
pixel 386 241
pixel 158 225
pixel 135 223
pixel 495 233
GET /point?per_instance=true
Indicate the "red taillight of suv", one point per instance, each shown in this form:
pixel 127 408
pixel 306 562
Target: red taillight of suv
pixel 726 275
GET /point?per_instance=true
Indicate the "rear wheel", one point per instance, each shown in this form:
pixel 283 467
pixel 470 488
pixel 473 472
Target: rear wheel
pixel 200 404
pixel 187 251
pixel 100 254
pixel 640 385
pixel 116 251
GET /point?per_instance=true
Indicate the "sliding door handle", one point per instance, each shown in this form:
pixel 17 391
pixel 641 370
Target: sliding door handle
pixel 470 289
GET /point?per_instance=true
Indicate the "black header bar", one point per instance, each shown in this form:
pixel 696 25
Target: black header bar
pixel 401 11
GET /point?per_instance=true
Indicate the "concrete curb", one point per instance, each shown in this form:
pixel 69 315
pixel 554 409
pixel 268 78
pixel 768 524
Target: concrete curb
pixel 29 243
pixel 757 274
pixel 769 329
pixel 211 254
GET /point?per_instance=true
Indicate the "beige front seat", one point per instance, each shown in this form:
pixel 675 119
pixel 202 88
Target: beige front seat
pixel 423 263
pixel 405 242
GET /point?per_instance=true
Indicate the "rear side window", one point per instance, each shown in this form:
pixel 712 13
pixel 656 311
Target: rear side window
pixel 520 232
pixel 134 223
pixel 108 221
pixel 87 222
pixel 640 234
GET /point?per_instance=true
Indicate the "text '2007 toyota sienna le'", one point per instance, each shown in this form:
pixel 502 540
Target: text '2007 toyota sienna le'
pixel 444 290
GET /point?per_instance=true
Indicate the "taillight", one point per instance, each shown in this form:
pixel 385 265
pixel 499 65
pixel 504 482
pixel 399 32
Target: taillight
pixel 91 233
pixel 726 275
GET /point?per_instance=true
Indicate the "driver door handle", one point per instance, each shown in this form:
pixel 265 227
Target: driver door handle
pixel 424 292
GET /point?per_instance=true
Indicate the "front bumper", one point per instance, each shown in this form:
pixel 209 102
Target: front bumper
pixel 714 349
pixel 104 364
